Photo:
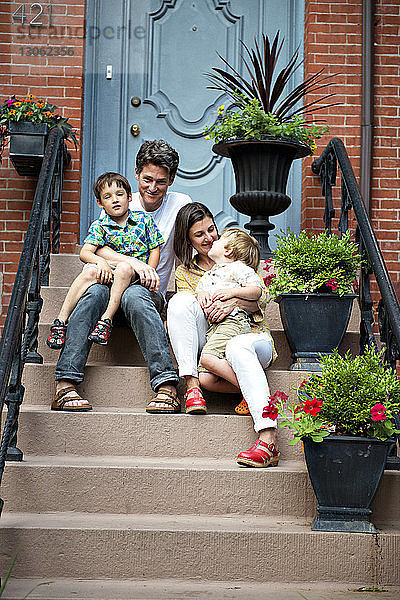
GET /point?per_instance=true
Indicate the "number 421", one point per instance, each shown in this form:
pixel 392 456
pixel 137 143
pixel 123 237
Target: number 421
pixel 19 16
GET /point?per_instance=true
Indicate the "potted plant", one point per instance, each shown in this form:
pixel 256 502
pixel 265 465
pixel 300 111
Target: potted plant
pixel 26 122
pixel 263 131
pixel 345 418
pixel 312 278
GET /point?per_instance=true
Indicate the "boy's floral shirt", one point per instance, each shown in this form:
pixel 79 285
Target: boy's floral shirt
pixel 136 238
pixel 186 280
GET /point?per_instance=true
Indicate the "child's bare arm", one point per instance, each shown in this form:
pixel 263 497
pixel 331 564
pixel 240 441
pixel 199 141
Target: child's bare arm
pixel 154 257
pixel 87 255
pixel 247 292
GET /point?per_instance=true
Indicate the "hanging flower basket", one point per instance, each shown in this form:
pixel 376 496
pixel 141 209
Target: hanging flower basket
pixel 27 146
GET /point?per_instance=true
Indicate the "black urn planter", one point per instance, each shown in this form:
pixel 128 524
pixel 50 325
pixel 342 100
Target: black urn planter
pixel 27 145
pixel 261 170
pixel 345 472
pixel 314 324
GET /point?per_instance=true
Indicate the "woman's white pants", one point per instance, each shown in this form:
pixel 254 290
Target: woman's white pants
pixel 248 354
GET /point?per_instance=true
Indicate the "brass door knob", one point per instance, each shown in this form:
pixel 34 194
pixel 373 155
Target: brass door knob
pixel 135 130
pixel 135 101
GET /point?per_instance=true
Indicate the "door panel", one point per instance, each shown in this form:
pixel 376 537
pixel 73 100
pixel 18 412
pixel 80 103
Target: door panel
pixel 163 49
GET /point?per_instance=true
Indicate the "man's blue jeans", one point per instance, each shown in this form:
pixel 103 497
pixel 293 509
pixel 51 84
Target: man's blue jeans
pixel 141 308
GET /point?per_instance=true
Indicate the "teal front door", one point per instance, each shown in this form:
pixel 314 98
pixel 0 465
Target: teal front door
pixel 145 65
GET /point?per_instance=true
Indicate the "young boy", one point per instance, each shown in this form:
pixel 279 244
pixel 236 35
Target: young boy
pixel 132 233
pixel 237 256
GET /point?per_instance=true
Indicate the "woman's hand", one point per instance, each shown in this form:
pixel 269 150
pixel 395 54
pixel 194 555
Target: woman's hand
pixel 219 310
pixel 226 294
pixel 204 299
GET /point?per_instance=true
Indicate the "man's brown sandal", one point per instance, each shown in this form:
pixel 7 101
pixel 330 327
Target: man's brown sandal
pixel 61 398
pixel 174 406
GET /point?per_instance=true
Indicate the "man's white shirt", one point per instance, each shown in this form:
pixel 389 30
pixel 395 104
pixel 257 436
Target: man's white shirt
pixel 164 217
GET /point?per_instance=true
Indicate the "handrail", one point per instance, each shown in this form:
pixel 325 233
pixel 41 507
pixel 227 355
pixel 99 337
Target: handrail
pixel 18 343
pixel 389 308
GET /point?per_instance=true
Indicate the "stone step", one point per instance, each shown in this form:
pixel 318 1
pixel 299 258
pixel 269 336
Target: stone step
pixel 186 485
pixel 123 432
pixel 123 348
pixel 53 298
pixel 170 589
pixel 147 546
pixel 129 387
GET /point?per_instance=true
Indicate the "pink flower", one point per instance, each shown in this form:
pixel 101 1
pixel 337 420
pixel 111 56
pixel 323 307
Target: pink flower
pixel 278 396
pixel 378 412
pixel 312 407
pixel 332 284
pixel 268 279
pixel 270 411
pixel 10 101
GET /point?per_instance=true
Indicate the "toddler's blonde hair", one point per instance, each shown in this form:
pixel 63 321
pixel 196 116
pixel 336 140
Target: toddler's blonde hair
pixel 243 245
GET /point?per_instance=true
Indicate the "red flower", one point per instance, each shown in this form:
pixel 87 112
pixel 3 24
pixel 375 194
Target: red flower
pixel 332 284
pixel 268 279
pixel 378 412
pixel 267 264
pixel 303 383
pixel 297 411
pixel 270 411
pixel 312 407
pixel 278 396
pixel 355 286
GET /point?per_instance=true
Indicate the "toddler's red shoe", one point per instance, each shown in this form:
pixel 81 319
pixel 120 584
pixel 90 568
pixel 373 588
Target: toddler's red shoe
pixel 101 333
pixel 260 454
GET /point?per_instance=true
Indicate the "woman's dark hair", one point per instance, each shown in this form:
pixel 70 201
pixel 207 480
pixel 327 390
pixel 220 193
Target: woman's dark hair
pixel 187 216
pixel 159 153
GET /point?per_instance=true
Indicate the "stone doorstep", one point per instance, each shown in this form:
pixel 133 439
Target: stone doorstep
pixel 192 485
pixel 149 546
pixel 169 589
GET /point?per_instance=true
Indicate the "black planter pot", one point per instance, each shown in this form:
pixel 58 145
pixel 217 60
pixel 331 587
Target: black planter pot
pixel 261 172
pixel 27 145
pixel 345 473
pixel 314 324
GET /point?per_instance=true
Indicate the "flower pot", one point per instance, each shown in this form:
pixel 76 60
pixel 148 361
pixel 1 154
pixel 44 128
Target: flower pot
pixel 27 145
pixel 314 324
pixel 345 473
pixel 261 172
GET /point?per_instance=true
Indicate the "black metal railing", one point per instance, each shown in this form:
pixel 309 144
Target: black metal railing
pixel 19 342
pixel 326 166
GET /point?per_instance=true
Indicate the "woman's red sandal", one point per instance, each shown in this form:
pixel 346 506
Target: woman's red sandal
pixel 195 403
pixel 260 454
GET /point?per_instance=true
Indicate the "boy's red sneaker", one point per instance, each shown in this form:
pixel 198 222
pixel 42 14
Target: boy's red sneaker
pixel 56 337
pixel 260 454
pixel 101 333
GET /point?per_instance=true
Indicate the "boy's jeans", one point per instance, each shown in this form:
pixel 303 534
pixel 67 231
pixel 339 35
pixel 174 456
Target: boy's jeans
pixel 141 308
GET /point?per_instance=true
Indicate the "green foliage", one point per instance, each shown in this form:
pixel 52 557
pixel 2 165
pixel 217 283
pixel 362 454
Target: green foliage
pixel 349 387
pixel 310 263
pixel 303 424
pixel 35 111
pixel 262 84
pixel 252 122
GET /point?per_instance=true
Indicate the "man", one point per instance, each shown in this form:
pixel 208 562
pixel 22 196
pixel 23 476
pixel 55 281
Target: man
pixel 156 165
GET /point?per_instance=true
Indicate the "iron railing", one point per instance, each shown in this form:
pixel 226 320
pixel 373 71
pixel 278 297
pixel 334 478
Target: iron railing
pixel 326 166
pixel 19 342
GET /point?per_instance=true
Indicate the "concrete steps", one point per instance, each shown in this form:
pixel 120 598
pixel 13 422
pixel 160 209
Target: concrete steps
pixel 172 589
pixel 119 494
pixel 192 485
pixel 74 544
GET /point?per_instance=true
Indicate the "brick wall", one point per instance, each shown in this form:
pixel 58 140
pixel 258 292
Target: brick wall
pixel 333 40
pixel 57 79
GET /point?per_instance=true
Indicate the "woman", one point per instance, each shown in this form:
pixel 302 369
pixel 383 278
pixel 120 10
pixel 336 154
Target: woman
pixel 248 354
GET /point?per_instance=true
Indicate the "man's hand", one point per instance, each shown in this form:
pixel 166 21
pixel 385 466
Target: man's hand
pixel 148 276
pixel 104 272
pixel 225 294
pixel 218 310
pixel 204 299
